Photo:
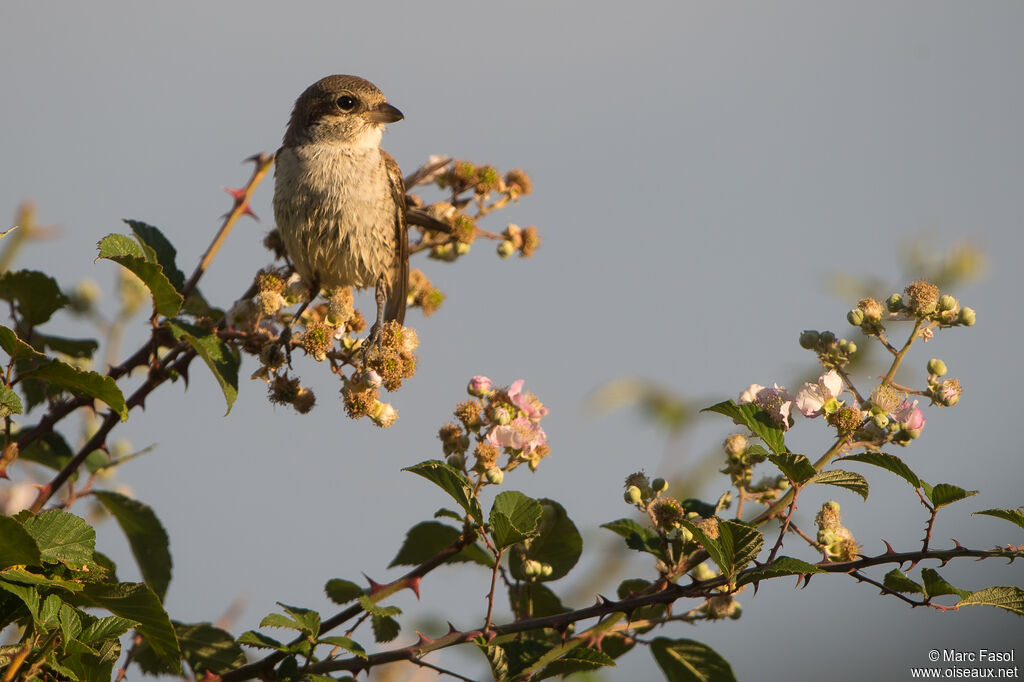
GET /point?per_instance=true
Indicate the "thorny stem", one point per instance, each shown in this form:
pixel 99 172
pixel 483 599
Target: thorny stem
pixel 440 670
pixel 490 595
pixel 785 524
pixel 932 513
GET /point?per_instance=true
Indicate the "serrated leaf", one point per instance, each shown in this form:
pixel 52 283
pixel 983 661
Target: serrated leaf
pixel 783 565
pixel 936 586
pixel 106 628
pixel 513 518
pixel 345 643
pixel 279 620
pixel 308 619
pixel 557 543
pixel 28 595
pixel 1012 515
pixel 159 250
pixel 17 546
pixel 259 640
pixel 447 513
pixel 49 611
pixel 342 591
pixel 711 546
pixel 797 468
pixel 385 628
pixel 637 537
pixel 453 482
pixel 1010 598
pixel 128 253
pixel 63 538
pixel 35 295
pixel 427 539
pixel 208 648
pixel 75 348
pixel 897 581
pixel 684 660
pixel 740 541
pixel 25 577
pixel 496 658
pixel 50 450
pixel 573 661
pixel 754 418
pixel 71 621
pixel 138 602
pixel 889 463
pixel 146 536
pixel 82 383
pixel 944 494
pixel 10 402
pixel 222 359
pixel 843 479
pixel 375 609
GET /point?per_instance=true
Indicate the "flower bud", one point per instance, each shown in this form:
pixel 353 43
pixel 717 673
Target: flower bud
pixel 967 317
pixel 659 485
pixel 855 317
pixel 532 568
pixel 633 495
pixel 735 445
pixel 881 420
pixel 456 461
pixel 495 476
pixel 872 309
pixel 383 414
pixel 479 386
pixel 948 392
pixel 936 367
pixel 808 339
pixel 827 338
pixel 546 570
pixel 947 302
pixel 894 303
pixel 506 248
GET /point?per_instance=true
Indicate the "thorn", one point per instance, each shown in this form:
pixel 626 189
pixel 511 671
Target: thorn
pixel 807 579
pixel 238 194
pixel 959 547
pixel 490 635
pixel 423 640
pixel 414 585
pixel 756 584
pixel 603 600
pixel 451 628
pixel 375 586
pixel 256 158
pixel 888 547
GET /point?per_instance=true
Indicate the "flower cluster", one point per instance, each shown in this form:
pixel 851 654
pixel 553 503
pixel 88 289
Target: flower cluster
pixel 836 539
pixel 502 420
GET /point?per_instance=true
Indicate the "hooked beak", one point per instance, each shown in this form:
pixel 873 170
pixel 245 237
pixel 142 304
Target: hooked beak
pixel 383 113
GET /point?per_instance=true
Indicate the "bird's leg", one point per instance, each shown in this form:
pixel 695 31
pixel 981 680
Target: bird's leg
pixel 285 339
pixel 374 337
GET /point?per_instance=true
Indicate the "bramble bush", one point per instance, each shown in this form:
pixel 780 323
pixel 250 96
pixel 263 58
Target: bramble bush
pixel 66 614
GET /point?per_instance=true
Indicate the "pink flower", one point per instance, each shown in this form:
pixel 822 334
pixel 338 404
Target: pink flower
pixel 813 399
pixel 910 416
pixel 522 434
pixel 533 408
pixel 775 401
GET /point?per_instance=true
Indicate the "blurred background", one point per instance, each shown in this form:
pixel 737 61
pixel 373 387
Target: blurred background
pixel 709 180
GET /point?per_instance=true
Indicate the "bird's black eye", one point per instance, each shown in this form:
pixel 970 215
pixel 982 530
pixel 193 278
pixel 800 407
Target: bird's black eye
pixel 346 102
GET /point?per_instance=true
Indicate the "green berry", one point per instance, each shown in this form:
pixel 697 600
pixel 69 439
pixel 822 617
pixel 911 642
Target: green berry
pixel 808 339
pixel 936 367
pixel 855 317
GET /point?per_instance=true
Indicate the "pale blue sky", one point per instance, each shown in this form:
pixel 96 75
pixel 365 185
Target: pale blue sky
pixel 700 169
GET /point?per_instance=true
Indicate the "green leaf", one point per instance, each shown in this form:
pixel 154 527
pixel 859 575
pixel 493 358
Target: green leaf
pixel 222 359
pixel 17 547
pixel 897 581
pixel 146 535
pixel 496 657
pixel 453 482
pixel 76 348
pixel 534 599
pixel 757 420
pixel 10 402
pixel 637 537
pixel 558 543
pixel 345 643
pixel 844 479
pixel 279 620
pixel 127 252
pixel 208 648
pixel 79 382
pixel 50 450
pixel 49 612
pixel 740 541
pixel 575 660
pixel 385 628
pixel 375 609
pixel 426 539
pixel 711 546
pixel 259 640
pixel 443 512
pixel 63 538
pixel 17 349
pixel 888 462
pixel 1009 598
pixel 35 295
pixel 946 493
pixel 1012 515
pixel 684 660
pixel 797 468
pixel 158 249
pixel 25 577
pixel 513 518
pixel 936 586
pixel 783 565
pixel 28 595
pixel 108 627
pixel 342 591
pixel 71 621
pixel 138 602
pixel 308 619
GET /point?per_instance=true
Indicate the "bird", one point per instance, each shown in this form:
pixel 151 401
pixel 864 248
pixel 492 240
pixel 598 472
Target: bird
pixel 339 198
